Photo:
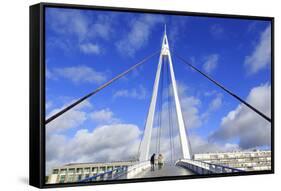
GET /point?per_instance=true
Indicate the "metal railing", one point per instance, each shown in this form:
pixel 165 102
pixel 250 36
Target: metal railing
pixel 134 169
pixel 126 172
pixel 107 175
pixel 200 167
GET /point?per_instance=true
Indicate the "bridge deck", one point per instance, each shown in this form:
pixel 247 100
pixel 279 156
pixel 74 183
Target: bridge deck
pixel 166 170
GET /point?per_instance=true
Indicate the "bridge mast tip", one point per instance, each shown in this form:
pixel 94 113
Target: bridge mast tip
pixel 165 28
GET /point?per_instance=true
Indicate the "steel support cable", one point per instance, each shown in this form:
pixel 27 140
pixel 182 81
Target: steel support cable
pixel 173 141
pixel 158 119
pixel 157 132
pixel 138 153
pixel 172 119
pixel 225 89
pixel 161 106
pixel 156 137
pixel 175 122
pixel 100 88
pixel 170 114
pixel 158 114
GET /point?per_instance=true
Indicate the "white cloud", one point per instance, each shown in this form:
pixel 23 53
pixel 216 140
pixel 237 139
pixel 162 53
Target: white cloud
pixel 107 136
pixel 66 45
pixel 213 106
pixel 216 103
pixel 136 93
pixel 103 116
pixel 182 89
pixel 217 31
pixel 189 106
pixel 90 48
pixel 102 27
pixel 190 109
pixel 210 93
pixel 83 74
pixel 198 144
pixel 105 143
pixel 252 27
pixel 50 75
pixel 48 105
pixel 202 145
pixel 138 35
pixel 71 119
pixel 210 63
pixel 82 26
pixel 260 58
pixel 53 148
pixel 76 28
pixel 70 22
pixel 244 124
pixel 175 29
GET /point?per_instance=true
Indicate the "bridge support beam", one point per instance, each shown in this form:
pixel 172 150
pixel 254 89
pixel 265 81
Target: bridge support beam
pixel 185 146
pixel 184 142
pixel 145 144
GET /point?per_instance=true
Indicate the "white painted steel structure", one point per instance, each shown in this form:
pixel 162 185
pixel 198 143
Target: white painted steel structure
pixel 145 144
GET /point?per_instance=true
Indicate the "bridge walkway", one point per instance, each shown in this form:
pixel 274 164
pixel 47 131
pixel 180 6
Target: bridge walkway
pixel 166 170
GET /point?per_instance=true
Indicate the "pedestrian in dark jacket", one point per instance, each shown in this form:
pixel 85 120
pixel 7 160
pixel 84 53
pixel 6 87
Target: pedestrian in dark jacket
pixel 152 161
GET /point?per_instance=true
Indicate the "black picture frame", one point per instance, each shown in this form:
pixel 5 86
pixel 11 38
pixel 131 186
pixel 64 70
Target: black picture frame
pixel 37 93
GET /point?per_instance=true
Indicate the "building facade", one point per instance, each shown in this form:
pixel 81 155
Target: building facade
pixel 79 171
pixel 244 160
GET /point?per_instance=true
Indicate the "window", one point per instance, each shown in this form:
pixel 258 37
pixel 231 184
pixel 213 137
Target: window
pixel 71 170
pixel 62 171
pixel 87 170
pixel 102 169
pixel 55 171
pixel 62 178
pixel 79 177
pixel 70 178
pixel 95 169
pixel 109 168
pixel 79 170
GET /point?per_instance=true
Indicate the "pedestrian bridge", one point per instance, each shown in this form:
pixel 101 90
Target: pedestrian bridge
pixel 182 167
pixel 167 170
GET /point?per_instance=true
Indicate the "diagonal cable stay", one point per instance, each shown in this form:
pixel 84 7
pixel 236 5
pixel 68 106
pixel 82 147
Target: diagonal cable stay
pixel 224 88
pixel 56 115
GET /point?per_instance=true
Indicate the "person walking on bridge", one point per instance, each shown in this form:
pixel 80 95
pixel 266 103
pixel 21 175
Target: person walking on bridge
pixel 160 161
pixel 152 161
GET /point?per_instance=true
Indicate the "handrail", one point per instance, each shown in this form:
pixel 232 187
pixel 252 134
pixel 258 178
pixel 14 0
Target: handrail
pixel 201 167
pixel 116 170
pixel 134 167
pixel 223 166
pixel 115 173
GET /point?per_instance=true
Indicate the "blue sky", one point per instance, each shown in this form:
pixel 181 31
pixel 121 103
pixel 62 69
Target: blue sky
pixel 86 48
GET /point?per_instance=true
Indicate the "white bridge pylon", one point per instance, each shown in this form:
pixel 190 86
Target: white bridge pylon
pixel 145 144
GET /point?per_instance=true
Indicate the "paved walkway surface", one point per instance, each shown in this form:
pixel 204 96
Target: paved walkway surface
pixel 166 170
